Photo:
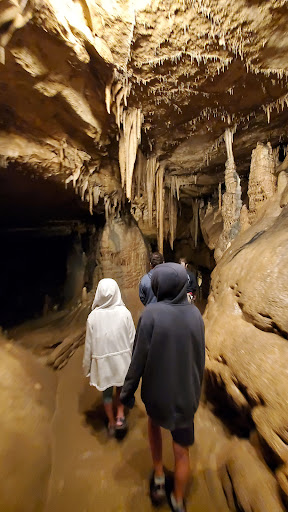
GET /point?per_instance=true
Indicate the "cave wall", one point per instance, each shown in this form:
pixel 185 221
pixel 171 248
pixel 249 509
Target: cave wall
pixel 246 320
pixel 123 255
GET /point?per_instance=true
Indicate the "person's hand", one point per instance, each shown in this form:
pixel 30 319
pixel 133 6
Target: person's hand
pixel 129 402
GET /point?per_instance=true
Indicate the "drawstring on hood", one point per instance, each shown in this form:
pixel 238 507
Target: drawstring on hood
pixel 107 295
pixel 169 283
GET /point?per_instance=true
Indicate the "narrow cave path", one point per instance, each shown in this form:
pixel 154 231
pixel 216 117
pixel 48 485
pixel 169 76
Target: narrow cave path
pixel 91 472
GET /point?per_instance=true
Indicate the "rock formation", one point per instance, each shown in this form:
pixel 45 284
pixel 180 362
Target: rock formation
pixel 262 178
pixel 231 207
pixel 246 327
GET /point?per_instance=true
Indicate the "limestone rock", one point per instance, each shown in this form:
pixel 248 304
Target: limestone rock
pixel 122 253
pixel 262 180
pixel 211 223
pixel 247 482
pixel 247 326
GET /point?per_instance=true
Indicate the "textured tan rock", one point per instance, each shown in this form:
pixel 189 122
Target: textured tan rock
pixel 211 223
pixel 122 253
pixel 247 482
pixel 262 178
pixel 247 325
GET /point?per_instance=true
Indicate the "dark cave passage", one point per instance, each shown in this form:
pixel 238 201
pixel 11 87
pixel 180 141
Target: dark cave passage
pixel 46 234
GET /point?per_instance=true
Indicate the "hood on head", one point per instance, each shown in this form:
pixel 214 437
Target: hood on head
pixel 107 294
pixel 169 283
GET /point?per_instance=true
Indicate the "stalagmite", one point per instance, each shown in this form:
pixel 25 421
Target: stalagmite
pixel 262 180
pixel 232 203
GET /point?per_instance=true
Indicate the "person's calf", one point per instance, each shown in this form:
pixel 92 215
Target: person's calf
pixel 155 441
pixel 182 470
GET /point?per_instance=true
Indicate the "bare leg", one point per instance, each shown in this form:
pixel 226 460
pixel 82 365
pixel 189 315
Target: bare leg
pixel 155 440
pixel 120 407
pixel 182 469
pixel 108 406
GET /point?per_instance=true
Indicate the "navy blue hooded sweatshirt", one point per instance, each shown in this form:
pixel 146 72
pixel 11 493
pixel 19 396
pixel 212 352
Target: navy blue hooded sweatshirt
pixel 168 353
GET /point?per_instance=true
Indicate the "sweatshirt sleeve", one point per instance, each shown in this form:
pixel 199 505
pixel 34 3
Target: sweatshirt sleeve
pixel 87 350
pixel 142 292
pixel 131 329
pixel 138 361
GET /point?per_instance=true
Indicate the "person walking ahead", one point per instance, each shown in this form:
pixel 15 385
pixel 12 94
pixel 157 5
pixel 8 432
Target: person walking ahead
pixel 109 340
pixel 146 294
pixel 192 281
pixel 169 355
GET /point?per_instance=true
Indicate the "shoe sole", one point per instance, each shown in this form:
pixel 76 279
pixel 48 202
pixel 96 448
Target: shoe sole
pixel 120 433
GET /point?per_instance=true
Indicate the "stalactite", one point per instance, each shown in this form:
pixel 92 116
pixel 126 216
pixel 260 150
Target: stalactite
pixel 160 207
pixel 130 138
pixel 220 196
pixel 74 177
pixel 150 185
pixel 96 194
pixel 122 159
pixel 195 207
pixel 84 187
pixel 140 174
pixel 172 212
pixel 280 103
pixel 108 97
pixel 107 206
pixel 90 199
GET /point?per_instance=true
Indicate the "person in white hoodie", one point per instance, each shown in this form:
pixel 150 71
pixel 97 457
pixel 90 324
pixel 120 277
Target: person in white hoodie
pixel 109 342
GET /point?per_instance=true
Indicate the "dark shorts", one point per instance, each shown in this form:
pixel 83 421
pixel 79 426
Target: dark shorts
pixel 184 436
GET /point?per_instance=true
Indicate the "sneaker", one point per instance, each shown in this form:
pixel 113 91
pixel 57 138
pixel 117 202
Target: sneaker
pixel 173 505
pixel 121 428
pixel 157 492
pixel 111 430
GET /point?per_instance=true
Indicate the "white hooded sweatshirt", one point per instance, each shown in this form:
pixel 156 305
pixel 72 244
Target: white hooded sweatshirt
pixel 109 339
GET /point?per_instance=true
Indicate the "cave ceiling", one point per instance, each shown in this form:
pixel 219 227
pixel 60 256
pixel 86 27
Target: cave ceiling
pixel 189 70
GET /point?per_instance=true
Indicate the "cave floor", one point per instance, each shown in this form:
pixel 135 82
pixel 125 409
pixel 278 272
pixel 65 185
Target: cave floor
pixel 91 472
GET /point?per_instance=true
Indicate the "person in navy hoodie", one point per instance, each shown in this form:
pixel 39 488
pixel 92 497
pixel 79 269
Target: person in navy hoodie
pixel 169 355
pixel 146 294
